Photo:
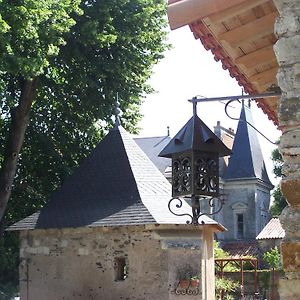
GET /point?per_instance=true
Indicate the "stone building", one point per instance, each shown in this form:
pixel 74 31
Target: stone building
pixel 246 185
pixel 258 42
pixel 107 233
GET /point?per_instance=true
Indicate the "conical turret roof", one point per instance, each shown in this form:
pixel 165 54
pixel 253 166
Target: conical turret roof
pixel 246 160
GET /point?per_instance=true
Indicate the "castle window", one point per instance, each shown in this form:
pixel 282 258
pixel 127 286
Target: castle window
pixel 120 269
pixel 240 226
pixel 239 213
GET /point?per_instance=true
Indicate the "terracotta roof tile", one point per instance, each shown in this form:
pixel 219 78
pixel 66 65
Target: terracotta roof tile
pixel 273 230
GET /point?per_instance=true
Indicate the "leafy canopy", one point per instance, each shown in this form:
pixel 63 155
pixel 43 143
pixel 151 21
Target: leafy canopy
pixel 31 32
pixel 83 54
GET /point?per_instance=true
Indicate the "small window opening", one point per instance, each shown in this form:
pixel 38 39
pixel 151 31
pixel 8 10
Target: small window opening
pixel 240 226
pixel 121 268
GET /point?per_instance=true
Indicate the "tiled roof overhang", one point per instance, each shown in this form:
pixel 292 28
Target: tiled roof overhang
pixel 204 17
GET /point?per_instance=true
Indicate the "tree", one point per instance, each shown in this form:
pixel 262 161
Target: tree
pixel 31 32
pixel 279 202
pixel 78 69
pixel 111 49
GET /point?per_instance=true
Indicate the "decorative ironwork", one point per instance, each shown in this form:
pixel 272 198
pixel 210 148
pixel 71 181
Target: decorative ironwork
pixel 207 175
pixel 197 174
pixel 181 176
pixel 274 92
pixel 189 290
pixel 214 204
pixel 195 152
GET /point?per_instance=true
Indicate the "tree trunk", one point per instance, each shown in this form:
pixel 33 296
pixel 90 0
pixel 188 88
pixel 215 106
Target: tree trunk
pixel 19 122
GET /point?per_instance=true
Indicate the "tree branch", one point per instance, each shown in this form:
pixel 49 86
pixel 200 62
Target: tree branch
pixel 19 122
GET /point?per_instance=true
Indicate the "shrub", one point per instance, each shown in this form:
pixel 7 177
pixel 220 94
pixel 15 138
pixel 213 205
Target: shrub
pixel 272 258
pixel 228 286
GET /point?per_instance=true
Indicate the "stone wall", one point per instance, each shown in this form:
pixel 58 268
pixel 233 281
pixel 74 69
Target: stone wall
pixel 81 263
pixel 250 198
pixel 287 50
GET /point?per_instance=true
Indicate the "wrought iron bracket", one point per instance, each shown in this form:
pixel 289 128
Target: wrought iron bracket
pixel 215 205
pixel 188 291
pixel 275 92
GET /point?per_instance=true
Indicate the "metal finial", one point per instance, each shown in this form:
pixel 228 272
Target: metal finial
pixel 168 130
pixel 117 112
pixel 194 108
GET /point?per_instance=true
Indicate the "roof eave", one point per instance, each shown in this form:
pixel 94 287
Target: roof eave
pixel 184 12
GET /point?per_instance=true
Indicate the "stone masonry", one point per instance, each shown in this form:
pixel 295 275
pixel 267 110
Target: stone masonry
pixel 287 50
pixel 81 263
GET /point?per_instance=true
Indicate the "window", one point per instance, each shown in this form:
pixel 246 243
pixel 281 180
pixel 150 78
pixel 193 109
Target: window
pixel 240 226
pixel 120 268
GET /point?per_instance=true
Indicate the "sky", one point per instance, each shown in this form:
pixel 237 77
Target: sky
pixel 189 70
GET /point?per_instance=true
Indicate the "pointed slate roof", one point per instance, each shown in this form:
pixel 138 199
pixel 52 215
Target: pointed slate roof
pixel 152 147
pixel 195 135
pixel 246 160
pixel 115 185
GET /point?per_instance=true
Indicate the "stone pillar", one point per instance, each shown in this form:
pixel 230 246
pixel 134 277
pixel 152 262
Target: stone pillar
pixel 287 50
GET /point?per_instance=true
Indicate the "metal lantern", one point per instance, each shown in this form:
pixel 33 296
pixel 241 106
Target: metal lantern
pixel 195 152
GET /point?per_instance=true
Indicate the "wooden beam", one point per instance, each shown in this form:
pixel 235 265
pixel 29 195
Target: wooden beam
pixel 234 11
pixel 263 78
pixel 262 88
pixel 250 31
pixel 258 57
pixel 185 12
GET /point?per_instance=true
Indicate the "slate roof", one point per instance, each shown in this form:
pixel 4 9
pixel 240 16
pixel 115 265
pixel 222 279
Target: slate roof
pixel 152 147
pixel 273 230
pixel 246 160
pixel 115 185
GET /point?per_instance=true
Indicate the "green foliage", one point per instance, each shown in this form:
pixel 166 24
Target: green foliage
pixel 279 202
pixel 187 272
pixel 32 31
pixel 9 265
pixel 277 162
pixel 272 258
pixel 83 54
pixel 220 253
pixel 228 286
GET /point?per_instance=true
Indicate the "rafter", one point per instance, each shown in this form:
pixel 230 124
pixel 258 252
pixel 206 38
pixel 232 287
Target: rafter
pixel 250 31
pixel 258 57
pixel 265 77
pixel 235 10
pixel 185 12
